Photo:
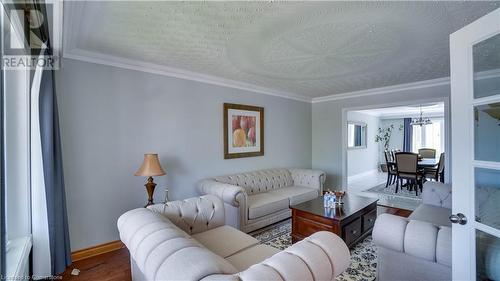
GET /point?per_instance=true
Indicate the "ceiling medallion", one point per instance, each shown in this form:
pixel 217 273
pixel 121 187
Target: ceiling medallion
pixel 420 121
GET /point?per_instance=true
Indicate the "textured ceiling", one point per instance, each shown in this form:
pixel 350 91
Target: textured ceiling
pixel 309 49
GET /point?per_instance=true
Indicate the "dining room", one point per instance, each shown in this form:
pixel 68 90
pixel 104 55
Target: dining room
pixel 393 151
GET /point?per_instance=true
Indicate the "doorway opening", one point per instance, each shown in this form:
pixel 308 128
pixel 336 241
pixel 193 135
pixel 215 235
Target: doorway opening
pixel 375 135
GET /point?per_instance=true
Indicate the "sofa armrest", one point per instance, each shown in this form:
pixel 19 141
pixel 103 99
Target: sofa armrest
pixel 230 194
pixel 437 194
pixel 309 178
pixel 321 256
pixel 415 238
pixel 161 251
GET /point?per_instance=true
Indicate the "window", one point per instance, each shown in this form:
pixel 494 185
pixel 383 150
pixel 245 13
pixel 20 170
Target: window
pixel 429 136
pixel 356 135
pixel 15 90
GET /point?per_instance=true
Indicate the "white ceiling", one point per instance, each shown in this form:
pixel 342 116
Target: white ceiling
pixel 297 49
pixel 428 110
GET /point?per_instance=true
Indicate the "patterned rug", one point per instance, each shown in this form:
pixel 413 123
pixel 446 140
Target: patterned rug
pixel 363 256
pixel 391 190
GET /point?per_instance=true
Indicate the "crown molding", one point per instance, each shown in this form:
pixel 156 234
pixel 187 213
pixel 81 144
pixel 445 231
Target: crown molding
pixel 385 90
pixel 411 115
pixel 120 62
pixel 109 60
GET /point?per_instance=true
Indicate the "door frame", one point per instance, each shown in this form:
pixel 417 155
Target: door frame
pixel 447 132
pixel 462 102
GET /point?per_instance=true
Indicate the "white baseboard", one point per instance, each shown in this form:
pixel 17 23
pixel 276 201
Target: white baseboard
pixel 362 175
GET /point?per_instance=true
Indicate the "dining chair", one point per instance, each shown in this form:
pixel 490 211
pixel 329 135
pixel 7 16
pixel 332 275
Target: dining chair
pixel 436 173
pixel 427 152
pixel 391 168
pixel 407 169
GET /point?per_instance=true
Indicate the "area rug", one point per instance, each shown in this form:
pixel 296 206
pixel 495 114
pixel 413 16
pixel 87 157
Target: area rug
pixel 363 256
pixel 391 190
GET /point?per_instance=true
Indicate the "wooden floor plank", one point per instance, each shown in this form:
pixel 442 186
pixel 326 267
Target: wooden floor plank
pixel 112 266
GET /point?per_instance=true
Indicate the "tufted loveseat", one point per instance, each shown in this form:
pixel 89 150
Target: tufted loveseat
pixel 422 241
pixel 260 198
pixel 187 240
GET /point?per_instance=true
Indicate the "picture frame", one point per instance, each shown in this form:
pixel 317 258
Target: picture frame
pixel 243 131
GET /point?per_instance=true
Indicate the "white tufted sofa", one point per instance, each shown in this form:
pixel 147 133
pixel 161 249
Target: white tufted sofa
pixel 260 198
pixel 187 240
pixel 418 247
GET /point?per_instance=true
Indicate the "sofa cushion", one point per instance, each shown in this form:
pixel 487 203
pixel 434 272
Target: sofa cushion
pixel 225 240
pixel 297 194
pixel 432 214
pixel 262 204
pixel 259 181
pixel 420 240
pixel 253 255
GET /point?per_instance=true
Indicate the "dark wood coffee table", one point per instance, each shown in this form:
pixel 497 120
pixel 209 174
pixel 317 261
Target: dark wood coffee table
pixel 352 221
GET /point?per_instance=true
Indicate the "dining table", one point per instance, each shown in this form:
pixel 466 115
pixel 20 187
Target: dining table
pixel 423 163
pixel 427 162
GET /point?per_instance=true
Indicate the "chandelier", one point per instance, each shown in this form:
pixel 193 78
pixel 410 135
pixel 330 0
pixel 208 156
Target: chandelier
pixel 420 121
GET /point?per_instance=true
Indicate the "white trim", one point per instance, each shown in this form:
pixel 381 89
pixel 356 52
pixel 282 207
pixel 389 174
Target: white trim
pixel 385 90
pixel 486 100
pixel 110 60
pixel 92 57
pixel 486 228
pixel 413 115
pixel 57 27
pixel 362 175
pixel 486 164
pixel 462 89
pixel 487 74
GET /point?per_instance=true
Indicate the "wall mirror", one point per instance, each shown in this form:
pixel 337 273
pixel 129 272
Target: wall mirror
pixel 356 135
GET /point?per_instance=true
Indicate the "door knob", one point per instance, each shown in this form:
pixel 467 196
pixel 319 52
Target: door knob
pixel 458 218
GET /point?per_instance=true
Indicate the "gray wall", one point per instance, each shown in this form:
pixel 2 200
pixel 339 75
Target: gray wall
pixel 362 160
pixel 327 127
pixel 110 117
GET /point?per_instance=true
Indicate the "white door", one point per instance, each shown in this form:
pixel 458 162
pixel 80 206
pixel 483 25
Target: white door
pixel 475 120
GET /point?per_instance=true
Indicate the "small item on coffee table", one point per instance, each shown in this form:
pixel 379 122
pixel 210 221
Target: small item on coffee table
pixel 339 194
pixel 329 200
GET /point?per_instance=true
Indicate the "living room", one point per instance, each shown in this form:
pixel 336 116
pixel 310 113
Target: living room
pixel 230 119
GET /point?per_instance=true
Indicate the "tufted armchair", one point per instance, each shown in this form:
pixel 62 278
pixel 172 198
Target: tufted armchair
pixel 187 240
pixel 423 240
pixel 260 198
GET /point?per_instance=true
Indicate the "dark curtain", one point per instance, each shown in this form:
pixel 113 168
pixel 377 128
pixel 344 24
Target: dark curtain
pixel 408 135
pixel 357 135
pixel 60 250
pixel 53 173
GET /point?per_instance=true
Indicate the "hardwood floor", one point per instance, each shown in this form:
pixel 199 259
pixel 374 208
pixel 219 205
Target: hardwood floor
pixel 393 211
pixel 115 266
pixel 112 266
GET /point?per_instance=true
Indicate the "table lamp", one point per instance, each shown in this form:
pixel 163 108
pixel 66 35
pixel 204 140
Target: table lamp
pixel 150 167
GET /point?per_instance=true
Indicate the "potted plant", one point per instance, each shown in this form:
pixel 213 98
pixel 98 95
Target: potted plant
pixel 384 136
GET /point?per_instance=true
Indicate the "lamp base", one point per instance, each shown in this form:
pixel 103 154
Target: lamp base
pixel 150 187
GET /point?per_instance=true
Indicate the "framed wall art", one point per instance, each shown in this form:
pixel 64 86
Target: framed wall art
pixel 243 131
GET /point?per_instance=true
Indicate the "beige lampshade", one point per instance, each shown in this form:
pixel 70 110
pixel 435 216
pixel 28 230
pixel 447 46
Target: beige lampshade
pixel 150 167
